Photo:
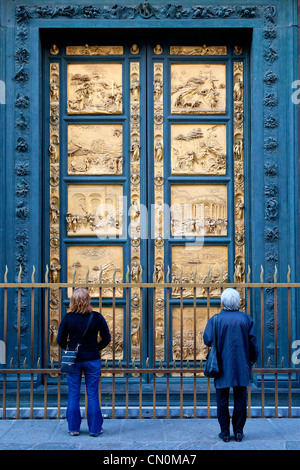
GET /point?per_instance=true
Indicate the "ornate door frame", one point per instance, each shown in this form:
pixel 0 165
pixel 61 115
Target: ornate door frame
pixel 125 144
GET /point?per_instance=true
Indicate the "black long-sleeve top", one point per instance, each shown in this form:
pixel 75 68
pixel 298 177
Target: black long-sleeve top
pixel 72 328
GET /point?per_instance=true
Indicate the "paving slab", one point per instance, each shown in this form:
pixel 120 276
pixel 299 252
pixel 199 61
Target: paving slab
pixel 148 435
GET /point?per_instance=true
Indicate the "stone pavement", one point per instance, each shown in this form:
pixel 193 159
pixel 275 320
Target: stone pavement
pixel 148 435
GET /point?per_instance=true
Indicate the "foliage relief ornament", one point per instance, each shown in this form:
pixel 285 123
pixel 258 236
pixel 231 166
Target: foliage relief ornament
pixel 271 189
pixel 144 10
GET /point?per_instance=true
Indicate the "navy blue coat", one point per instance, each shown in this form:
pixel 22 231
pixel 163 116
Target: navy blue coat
pixel 237 347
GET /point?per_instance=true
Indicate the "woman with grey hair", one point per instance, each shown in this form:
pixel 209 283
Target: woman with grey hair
pixel 237 352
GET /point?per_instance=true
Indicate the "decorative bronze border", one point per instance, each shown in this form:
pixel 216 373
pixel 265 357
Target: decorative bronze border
pixel 239 178
pixel 198 50
pixel 135 201
pixel 158 146
pixel 54 207
pixel 94 50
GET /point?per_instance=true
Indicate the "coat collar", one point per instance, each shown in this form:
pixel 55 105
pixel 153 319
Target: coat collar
pixel 229 310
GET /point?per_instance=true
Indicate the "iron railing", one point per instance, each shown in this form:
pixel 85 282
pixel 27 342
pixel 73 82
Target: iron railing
pixel 35 380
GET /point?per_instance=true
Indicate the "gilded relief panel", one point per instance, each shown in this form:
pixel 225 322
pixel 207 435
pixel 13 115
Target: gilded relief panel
pixel 95 210
pixel 188 320
pixel 95 149
pixel 198 88
pixel 86 263
pixel 94 88
pixel 198 50
pixel 198 210
pixel 94 50
pixel 107 353
pixel 207 262
pixel 198 149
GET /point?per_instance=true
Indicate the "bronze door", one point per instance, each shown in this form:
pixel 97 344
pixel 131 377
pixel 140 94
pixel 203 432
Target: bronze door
pixel 146 171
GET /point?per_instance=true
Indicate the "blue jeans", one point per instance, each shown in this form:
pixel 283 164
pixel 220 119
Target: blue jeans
pixel 92 370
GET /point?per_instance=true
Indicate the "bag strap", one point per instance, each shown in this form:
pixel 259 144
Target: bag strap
pixel 215 330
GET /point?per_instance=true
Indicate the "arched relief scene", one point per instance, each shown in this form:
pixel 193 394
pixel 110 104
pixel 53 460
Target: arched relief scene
pixel 95 210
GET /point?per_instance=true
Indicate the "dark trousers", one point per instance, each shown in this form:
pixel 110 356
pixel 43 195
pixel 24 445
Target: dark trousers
pixel 239 415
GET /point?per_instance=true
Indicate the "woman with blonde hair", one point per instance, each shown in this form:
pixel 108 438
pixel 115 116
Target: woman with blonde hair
pixel 82 320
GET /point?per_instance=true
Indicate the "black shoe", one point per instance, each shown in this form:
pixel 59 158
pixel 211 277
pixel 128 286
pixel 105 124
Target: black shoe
pixel 239 436
pixel 224 437
pixel 95 434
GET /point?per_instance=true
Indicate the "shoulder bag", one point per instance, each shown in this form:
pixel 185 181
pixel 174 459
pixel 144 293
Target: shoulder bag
pixel 69 357
pixel 211 368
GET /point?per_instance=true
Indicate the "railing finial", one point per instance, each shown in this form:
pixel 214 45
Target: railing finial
pixel 289 274
pixel 20 274
pixel 248 274
pixel 127 274
pixel 5 274
pixel 32 275
pixel 261 274
pixel 275 274
pixel 46 274
pixel 168 275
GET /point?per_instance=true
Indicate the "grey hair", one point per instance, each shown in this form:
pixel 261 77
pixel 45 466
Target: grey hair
pixel 230 299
